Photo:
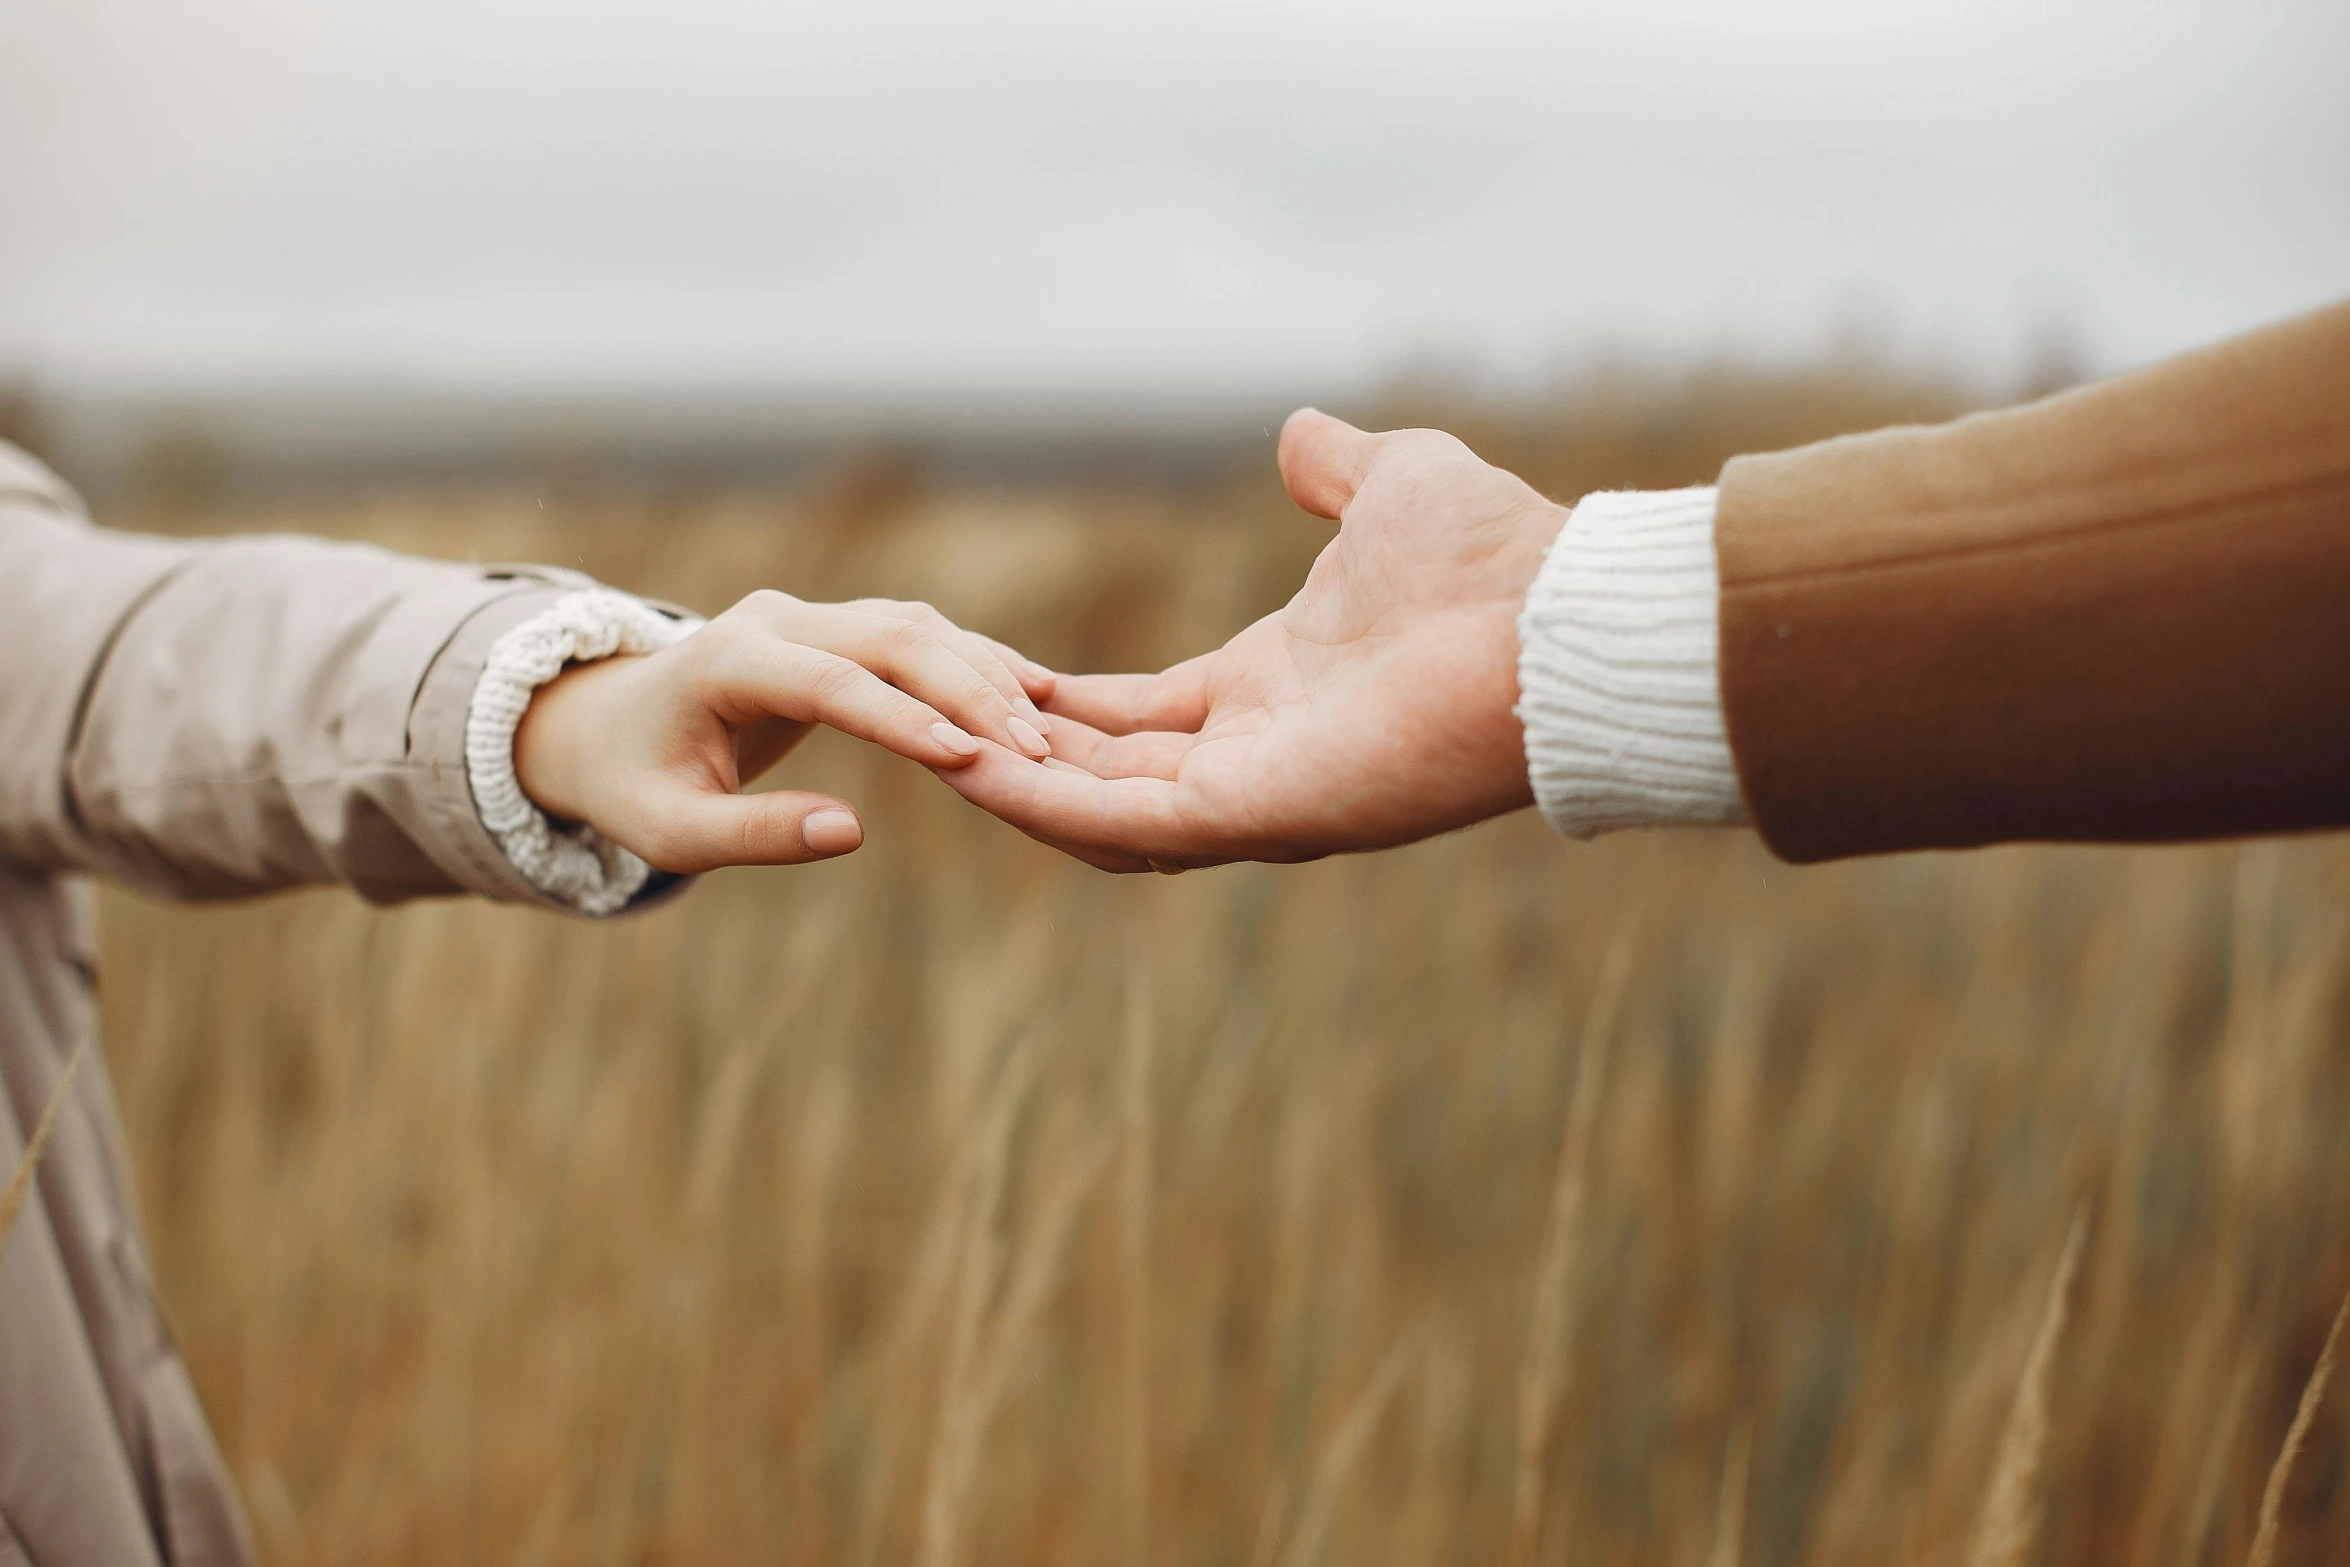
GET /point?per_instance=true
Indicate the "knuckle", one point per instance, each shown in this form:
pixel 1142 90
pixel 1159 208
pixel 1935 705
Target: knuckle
pixel 1435 446
pixel 912 715
pixel 910 639
pixel 834 679
pixel 722 639
pixel 766 602
pixel 918 611
pixel 758 837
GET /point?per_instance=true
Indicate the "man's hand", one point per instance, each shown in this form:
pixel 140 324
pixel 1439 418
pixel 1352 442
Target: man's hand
pixel 1374 709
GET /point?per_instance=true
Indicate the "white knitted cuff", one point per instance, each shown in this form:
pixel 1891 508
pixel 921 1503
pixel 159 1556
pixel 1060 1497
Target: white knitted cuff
pixel 576 864
pixel 1618 679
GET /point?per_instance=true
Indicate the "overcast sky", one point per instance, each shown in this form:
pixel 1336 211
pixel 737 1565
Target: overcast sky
pixel 928 194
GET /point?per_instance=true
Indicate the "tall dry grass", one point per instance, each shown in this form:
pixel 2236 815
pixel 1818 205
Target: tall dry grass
pixel 955 1204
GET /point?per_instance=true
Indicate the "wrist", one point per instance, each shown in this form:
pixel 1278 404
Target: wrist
pixel 1517 570
pixel 554 744
pixel 575 865
pixel 1518 563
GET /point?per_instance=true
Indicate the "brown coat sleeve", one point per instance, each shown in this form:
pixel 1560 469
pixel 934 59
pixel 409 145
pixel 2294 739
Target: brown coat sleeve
pixel 2119 615
pixel 223 717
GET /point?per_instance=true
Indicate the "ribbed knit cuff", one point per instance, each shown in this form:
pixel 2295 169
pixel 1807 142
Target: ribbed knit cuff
pixel 574 864
pixel 1618 679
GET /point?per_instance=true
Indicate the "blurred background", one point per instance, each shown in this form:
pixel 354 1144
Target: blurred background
pixel 1495 1200
pixel 346 238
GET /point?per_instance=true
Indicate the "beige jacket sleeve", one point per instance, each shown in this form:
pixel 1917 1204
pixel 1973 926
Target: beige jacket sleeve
pixel 2119 615
pixel 216 718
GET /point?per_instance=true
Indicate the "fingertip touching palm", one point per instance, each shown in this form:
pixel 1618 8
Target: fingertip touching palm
pixel 1375 708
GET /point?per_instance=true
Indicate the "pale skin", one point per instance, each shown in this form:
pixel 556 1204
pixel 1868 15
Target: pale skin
pixel 654 751
pixel 1377 707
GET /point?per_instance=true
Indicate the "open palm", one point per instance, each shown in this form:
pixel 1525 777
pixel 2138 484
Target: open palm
pixel 1373 709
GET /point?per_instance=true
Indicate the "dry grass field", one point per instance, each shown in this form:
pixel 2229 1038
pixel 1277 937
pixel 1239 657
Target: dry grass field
pixel 1495 1201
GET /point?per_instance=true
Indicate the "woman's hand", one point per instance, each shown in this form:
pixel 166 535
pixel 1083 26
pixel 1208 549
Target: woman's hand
pixel 653 752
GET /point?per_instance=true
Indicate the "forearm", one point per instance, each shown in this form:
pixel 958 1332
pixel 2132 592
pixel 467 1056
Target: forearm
pixel 223 717
pixel 65 591
pixel 281 712
pixel 2121 615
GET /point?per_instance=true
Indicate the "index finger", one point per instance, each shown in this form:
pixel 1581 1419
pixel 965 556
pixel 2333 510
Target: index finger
pixel 984 654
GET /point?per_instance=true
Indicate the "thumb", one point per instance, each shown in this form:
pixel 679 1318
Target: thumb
pixel 1323 460
pixel 707 831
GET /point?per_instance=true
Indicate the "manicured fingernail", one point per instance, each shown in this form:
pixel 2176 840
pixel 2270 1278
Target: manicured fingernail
pixel 1027 707
pixel 954 739
pixel 1025 736
pixel 831 832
